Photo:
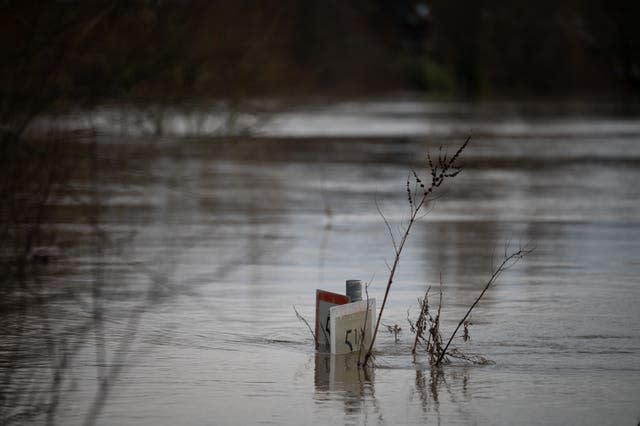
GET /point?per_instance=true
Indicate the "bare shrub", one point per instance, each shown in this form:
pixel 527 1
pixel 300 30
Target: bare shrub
pixel 419 195
pixel 427 327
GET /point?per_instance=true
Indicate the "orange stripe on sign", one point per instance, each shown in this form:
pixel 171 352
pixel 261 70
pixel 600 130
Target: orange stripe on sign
pixel 335 298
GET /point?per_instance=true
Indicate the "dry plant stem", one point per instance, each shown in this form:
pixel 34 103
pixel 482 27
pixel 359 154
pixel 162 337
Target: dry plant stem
pixel 444 168
pixel 396 260
pixel 436 336
pixel 419 325
pixel 364 328
pixel 508 261
pixel 303 319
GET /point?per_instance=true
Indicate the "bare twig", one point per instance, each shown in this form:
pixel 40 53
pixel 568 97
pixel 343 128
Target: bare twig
pixel 434 330
pixel 386 222
pixel 366 321
pixel 427 327
pixel 507 262
pixel 303 319
pixel 394 329
pixel 419 326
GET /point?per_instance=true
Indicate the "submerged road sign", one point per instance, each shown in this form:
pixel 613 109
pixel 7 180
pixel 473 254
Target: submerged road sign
pixel 324 301
pixel 351 325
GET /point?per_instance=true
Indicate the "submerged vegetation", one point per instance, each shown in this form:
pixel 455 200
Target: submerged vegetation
pixel 427 326
pixel 419 195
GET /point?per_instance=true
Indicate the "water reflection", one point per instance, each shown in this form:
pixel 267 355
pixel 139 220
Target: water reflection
pixel 338 372
pixel 437 386
pixel 435 391
pixel 340 375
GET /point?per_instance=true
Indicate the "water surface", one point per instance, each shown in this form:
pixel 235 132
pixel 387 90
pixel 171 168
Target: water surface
pixel 212 239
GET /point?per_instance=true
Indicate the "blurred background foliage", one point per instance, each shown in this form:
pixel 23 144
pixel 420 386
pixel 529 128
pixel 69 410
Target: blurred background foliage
pixel 78 53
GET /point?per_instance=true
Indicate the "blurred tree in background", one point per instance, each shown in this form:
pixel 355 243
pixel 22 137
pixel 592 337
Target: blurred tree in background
pixel 79 53
pixel 522 48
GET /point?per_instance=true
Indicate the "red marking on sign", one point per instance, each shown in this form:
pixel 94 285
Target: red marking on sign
pixel 324 300
pixel 333 298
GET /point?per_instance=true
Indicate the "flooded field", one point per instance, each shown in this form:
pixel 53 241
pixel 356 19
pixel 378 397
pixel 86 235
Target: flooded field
pixel 196 246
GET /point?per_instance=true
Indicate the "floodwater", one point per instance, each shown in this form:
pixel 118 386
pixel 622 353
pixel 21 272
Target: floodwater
pixel 208 241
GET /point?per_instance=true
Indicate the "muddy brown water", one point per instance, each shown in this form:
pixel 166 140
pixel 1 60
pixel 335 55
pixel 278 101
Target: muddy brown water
pixel 211 240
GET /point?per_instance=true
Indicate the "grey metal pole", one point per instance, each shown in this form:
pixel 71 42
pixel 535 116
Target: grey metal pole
pixel 354 290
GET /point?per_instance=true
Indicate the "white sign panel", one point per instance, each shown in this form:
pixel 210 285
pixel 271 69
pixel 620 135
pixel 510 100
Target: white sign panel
pixel 351 326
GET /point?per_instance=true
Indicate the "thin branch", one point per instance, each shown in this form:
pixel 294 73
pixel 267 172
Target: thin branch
pixel 366 321
pixel 386 222
pixel 507 262
pixel 387 265
pixel 419 324
pixel 303 319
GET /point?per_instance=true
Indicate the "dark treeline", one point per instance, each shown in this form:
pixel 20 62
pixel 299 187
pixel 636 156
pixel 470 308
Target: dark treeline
pixel 80 52
pixel 539 47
